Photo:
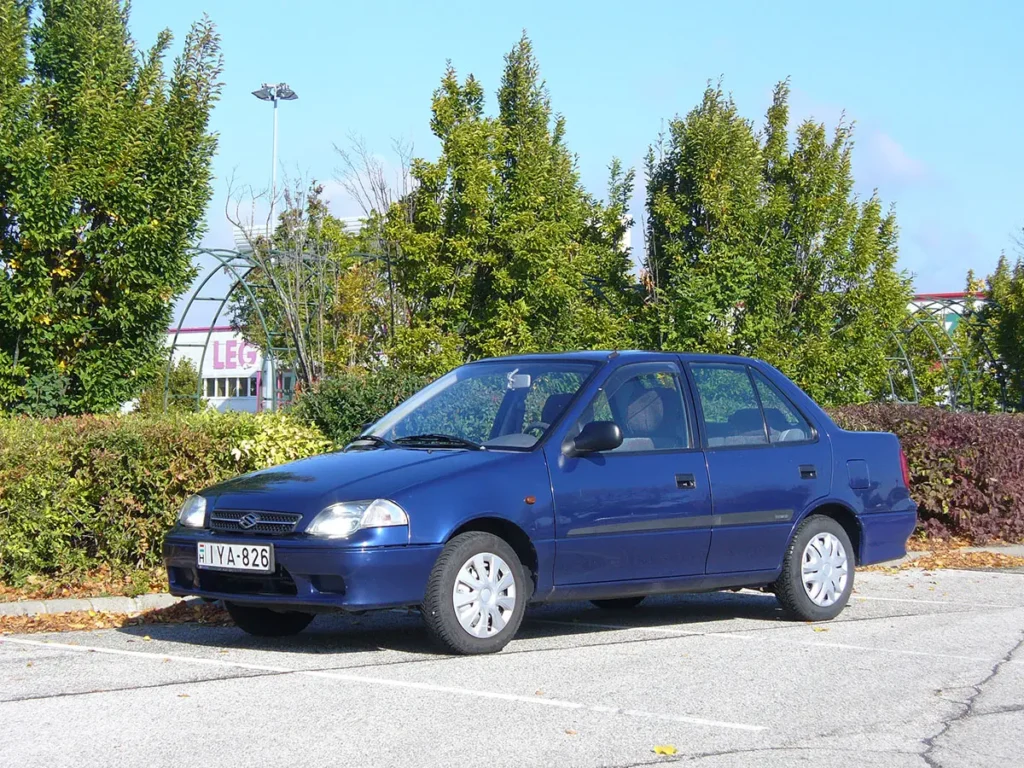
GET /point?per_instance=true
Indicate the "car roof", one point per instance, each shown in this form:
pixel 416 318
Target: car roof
pixel 637 355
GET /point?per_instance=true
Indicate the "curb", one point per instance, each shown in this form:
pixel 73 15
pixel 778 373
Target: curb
pixel 97 604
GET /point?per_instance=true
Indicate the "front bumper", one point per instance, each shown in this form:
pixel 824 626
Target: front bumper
pixel 310 574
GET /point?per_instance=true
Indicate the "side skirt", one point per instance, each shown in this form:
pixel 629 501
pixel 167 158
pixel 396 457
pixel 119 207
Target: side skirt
pixel 611 589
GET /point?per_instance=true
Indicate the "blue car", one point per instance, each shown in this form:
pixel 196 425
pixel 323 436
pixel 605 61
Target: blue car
pixel 601 476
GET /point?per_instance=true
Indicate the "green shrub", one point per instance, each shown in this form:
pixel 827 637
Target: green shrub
pixel 341 405
pixel 181 384
pixel 967 469
pixel 80 492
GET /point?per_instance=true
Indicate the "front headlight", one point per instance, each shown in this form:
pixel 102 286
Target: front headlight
pixel 339 521
pixel 193 512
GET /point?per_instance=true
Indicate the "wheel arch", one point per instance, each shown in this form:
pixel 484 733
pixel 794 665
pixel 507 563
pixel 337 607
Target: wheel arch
pixel 509 532
pixel 843 515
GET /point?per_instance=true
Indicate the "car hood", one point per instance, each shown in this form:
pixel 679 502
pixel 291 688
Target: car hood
pixel 309 485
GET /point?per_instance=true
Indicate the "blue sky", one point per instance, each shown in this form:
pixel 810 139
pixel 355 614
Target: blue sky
pixel 935 89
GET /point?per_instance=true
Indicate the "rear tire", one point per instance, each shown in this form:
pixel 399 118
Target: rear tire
pixel 619 603
pixel 263 622
pixel 817 571
pixel 476 595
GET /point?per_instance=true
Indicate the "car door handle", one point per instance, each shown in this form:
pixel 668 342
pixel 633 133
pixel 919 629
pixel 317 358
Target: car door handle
pixel 808 472
pixel 686 482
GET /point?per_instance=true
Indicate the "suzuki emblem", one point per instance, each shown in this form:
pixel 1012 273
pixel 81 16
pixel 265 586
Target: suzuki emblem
pixel 248 521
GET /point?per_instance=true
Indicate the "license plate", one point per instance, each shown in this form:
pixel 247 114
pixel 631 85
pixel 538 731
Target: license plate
pixel 235 557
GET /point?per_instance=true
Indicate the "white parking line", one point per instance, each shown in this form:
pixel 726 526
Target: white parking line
pixel 934 602
pixel 682 633
pixel 380 681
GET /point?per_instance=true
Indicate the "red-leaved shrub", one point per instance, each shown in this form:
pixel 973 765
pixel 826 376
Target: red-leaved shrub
pixel 967 469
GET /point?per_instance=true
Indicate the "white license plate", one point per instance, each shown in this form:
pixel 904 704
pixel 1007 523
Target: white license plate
pixel 235 557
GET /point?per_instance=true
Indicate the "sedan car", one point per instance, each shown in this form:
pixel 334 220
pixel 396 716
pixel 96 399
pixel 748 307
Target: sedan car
pixel 601 476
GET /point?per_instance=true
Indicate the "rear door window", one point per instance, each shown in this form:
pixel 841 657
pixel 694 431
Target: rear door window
pixel 785 424
pixel 732 415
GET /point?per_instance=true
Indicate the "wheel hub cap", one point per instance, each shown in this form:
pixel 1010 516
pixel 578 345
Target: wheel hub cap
pixel 484 596
pixel 825 569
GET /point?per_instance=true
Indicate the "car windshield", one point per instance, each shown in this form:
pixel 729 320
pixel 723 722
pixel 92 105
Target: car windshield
pixel 508 405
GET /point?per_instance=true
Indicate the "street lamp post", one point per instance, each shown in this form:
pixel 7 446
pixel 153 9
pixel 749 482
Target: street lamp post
pixel 274 92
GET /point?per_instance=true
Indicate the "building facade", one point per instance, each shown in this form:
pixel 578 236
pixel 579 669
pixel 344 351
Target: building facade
pixel 234 375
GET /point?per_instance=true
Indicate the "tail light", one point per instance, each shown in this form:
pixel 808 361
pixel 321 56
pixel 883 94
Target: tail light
pixel 905 466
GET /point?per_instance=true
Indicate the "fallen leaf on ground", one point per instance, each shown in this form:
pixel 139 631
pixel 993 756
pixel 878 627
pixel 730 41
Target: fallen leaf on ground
pixel 100 582
pixel 664 749
pixel 949 557
pixel 820 629
pixel 962 559
pixel 570 731
pixel 179 613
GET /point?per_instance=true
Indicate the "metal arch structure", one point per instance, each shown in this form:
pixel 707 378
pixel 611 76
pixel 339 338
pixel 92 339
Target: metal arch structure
pixel 938 316
pixel 237 267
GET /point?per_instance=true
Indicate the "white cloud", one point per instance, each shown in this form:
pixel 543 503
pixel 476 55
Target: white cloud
pixel 885 161
pixel 339 201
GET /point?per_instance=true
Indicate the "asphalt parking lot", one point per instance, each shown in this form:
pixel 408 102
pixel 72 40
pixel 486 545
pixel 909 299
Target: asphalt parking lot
pixel 921 669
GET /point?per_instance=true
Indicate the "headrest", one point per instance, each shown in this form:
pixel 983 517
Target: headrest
pixel 554 406
pixel 645 412
pixel 776 419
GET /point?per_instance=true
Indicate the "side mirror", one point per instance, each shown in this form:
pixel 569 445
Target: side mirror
pixel 596 436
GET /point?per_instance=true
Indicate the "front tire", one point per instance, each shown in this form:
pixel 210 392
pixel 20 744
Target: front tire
pixel 476 595
pixel 263 622
pixel 817 571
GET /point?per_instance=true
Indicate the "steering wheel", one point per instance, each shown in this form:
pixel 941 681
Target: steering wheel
pixel 538 425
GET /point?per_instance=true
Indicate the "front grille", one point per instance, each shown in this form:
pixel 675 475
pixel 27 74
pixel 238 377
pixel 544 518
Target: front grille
pixel 266 522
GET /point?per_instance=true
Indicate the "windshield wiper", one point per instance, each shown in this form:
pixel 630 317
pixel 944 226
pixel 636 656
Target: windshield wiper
pixel 374 440
pixel 435 438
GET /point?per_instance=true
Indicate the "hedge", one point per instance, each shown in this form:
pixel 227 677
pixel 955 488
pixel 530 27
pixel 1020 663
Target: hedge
pixel 80 492
pixel 967 469
pixel 341 405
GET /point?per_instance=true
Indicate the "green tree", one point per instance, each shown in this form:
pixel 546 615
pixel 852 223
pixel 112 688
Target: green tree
pixel 757 247
pixel 104 178
pixel 318 289
pixel 1001 327
pixel 181 383
pixel 502 250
